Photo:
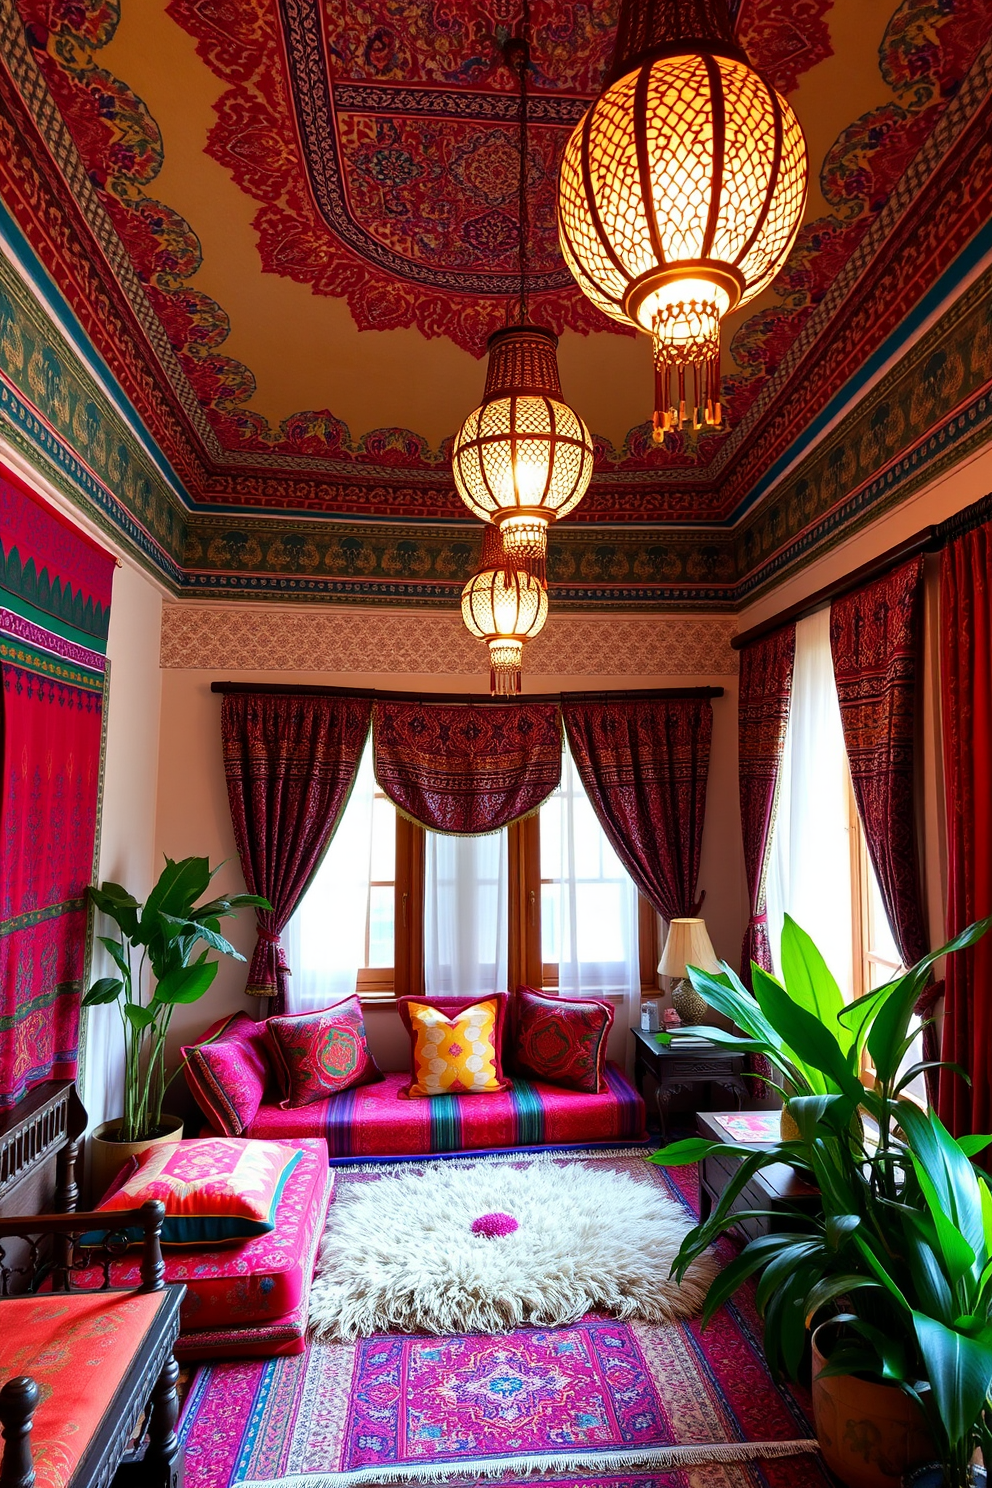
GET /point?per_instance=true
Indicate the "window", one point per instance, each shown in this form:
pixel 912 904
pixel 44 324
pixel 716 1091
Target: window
pixel 819 868
pixel 394 908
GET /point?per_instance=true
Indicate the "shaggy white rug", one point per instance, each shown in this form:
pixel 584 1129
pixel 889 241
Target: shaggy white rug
pixel 400 1253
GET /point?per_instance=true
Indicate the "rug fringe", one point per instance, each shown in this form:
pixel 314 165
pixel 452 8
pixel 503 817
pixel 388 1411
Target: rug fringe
pixel 523 1154
pixel 646 1459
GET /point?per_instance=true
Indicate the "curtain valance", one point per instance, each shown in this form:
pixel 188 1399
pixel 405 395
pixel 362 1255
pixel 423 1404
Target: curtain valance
pixel 467 769
pixel 290 764
pixel 55 588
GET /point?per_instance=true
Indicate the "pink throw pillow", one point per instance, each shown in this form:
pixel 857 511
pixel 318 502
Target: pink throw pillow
pixel 562 1040
pixel 227 1071
pixel 321 1053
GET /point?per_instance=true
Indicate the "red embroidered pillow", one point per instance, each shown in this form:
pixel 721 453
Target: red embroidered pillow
pixel 412 1010
pixel 562 1040
pixel 215 1191
pixel 318 1054
pixel 227 1071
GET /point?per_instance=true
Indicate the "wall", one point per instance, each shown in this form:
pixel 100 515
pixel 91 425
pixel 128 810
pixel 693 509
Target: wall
pixel 127 840
pixel 418 653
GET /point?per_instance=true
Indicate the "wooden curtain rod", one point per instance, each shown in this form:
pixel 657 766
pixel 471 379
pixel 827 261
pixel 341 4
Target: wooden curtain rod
pixel 637 696
pixel 920 543
pixel 928 540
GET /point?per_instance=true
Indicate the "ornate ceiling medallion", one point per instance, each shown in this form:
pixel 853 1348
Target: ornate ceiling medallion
pixel 681 193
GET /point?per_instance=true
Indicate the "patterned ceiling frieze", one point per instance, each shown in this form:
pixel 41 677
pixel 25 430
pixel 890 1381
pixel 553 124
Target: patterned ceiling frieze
pixel 242 638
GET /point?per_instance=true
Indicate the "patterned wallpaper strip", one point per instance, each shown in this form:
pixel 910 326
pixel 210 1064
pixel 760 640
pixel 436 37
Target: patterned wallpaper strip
pixel 344 640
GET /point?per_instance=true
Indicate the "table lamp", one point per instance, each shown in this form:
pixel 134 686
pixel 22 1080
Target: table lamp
pixel 688 944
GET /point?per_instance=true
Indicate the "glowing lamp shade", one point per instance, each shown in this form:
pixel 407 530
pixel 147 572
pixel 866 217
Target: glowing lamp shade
pixel 524 457
pixel 504 606
pixel 681 193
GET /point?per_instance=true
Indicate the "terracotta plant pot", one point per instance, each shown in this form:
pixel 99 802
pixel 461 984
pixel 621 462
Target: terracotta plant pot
pixel 870 1434
pixel 108 1156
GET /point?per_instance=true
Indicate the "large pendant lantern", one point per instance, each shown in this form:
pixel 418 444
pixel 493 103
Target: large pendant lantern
pixel 681 193
pixel 524 457
pixel 504 604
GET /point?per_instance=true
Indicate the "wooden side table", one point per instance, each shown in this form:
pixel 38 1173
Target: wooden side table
pixel 680 1070
pixel 778 1187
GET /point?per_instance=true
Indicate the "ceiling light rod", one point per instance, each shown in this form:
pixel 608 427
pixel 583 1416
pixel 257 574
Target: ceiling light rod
pixel 516 51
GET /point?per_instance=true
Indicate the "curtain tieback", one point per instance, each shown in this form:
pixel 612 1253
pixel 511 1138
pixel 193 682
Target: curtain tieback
pixel 269 936
pixel 759 919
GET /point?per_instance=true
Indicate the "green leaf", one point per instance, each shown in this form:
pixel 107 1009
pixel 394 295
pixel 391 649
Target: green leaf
pixel 838 1227
pixel 809 981
pixel 815 1046
pixel 689 1150
pixel 117 904
pixel 959 1370
pixel 107 989
pixel 179 885
pixel 139 1017
pixel 186 983
pixel 972 1145
pixel 113 948
pixel 832 1287
pixel 948 1168
pixel 727 994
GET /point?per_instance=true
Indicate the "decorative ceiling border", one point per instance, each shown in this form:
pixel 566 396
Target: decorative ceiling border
pixel 208 637
pixel 931 409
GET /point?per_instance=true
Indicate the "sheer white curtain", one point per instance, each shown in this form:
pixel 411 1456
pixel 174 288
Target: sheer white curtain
pixel 809 873
pixel 589 908
pixel 325 939
pixel 465 914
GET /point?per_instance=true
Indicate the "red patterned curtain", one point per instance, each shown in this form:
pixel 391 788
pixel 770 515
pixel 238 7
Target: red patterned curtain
pixel 763 718
pixel 290 763
pixel 55 588
pixel 966 707
pixel 466 769
pixel 875 642
pixel 644 767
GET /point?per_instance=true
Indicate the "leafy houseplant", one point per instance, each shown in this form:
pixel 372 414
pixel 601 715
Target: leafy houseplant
pixel 155 957
pixel 901 1256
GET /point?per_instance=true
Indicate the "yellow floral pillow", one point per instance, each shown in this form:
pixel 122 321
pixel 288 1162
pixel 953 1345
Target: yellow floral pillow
pixel 455 1052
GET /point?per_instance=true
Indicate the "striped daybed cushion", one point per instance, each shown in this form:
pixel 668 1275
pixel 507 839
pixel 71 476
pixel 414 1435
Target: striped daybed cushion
pixel 376 1121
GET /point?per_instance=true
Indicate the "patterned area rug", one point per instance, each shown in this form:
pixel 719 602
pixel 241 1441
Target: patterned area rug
pixel 622 1404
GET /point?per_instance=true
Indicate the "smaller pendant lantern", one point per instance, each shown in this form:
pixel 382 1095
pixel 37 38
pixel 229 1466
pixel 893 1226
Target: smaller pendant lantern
pixel 524 458
pixel 505 604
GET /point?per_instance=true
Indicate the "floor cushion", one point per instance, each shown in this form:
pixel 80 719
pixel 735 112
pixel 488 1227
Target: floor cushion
pixel 77 1349
pixel 376 1121
pixel 261 1281
pixel 228 1072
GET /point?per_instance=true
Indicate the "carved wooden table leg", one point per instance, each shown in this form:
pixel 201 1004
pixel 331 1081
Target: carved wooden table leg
pixel 163 1455
pixel 18 1401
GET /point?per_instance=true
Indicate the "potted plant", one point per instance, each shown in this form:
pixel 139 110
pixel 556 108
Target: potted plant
pixel 899 1262
pixel 161 952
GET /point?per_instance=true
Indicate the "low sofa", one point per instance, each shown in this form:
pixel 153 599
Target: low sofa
pixel 375 1121
pixel 252 1299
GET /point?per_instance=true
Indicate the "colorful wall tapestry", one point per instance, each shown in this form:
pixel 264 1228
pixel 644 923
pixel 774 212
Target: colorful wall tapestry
pixel 55 588
pixel 465 769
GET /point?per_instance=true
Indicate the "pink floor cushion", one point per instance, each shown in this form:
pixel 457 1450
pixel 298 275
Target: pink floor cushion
pixel 376 1121
pixel 262 1281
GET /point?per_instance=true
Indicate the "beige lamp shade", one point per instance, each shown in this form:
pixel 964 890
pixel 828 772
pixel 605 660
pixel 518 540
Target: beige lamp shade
pixel 688 944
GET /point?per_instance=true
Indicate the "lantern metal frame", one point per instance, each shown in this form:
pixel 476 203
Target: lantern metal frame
pixel 682 111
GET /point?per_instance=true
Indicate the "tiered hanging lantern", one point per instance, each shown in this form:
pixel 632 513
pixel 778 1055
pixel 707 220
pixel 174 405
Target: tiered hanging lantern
pixel 681 193
pixel 504 604
pixel 524 458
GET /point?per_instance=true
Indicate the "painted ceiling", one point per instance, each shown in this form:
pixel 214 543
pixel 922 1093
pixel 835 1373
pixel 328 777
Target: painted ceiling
pixel 301 216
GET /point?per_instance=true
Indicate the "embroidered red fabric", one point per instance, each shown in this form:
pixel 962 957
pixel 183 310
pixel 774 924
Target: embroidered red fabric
pixel 290 761
pixel 966 711
pixel 466 769
pixel 644 767
pixel 562 1040
pixel 317 1054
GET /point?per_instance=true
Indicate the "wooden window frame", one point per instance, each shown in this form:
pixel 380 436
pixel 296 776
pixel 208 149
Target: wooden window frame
pixel 383 984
